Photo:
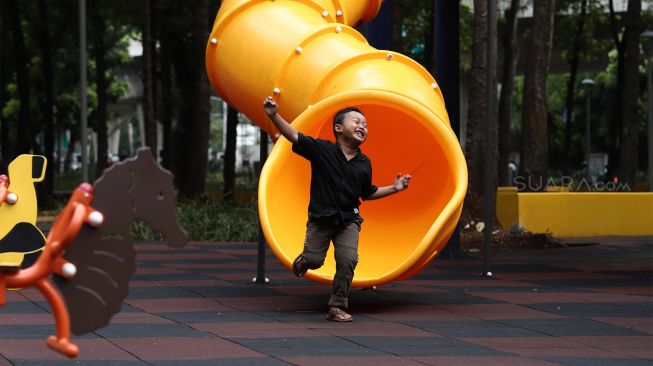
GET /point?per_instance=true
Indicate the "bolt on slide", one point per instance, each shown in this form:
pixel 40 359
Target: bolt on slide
pixel 307 55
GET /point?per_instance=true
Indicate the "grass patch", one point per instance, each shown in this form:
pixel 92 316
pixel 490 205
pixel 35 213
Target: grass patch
pixel 205 220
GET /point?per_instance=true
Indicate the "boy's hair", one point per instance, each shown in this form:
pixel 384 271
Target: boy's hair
pixel 340 116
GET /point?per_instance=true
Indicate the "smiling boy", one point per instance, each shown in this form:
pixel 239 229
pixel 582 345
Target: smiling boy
pixel 340 175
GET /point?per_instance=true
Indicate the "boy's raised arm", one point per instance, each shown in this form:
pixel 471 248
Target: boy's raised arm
pixel 272 110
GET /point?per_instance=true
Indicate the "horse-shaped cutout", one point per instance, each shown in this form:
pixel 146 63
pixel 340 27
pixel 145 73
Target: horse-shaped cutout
pixel 21 241
pixel 136 188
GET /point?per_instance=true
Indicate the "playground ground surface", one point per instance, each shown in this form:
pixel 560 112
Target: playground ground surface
pixel 589 303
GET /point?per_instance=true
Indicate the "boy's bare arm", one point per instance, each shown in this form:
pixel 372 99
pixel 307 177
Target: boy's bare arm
pixel 272 110
pixel 400 184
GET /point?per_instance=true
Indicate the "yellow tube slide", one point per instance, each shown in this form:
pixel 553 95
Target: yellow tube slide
pixel 307 56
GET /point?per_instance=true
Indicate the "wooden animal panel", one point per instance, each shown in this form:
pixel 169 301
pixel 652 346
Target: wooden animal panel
pixel 20 240
pixel 136 188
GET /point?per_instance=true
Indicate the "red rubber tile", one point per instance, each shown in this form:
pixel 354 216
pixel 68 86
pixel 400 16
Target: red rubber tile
pixel 139 318
pixel 557 276
pixel 498 311
pixel 349 361
pixel 35 349
pixel 640 324
pixel 177 348
pixel 177 305
pixel 415 313
pixel 181 257
pixel 25 318
pixel 583 352
pixel 180 283
pixel 380 329
pixel 269 303
pixel 614 342
pixel 526 342
pixel 483 361
pixel 257 330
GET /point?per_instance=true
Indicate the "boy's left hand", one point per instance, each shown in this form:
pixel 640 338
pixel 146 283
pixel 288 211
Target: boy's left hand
pixel 401 181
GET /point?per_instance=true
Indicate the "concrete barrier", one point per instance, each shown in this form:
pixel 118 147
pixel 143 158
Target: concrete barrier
pixel 577 213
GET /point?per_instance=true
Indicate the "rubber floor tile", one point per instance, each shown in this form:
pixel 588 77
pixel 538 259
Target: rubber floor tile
pixel 350 361
pixel 483 361
pixel 572 327
pixel 36 350
pixel 177 305
pixel 309 346
pixel 424 346
pixel 567 361
pixel 182 348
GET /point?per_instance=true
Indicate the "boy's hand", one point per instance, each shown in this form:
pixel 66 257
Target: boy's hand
pixel 270 106
pixel 401 181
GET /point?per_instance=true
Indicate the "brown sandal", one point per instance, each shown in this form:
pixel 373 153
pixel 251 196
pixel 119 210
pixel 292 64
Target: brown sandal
pixel 299 267
pixel 338 315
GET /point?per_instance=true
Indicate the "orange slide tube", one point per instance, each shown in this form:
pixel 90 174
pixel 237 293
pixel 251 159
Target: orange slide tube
pixel 307 56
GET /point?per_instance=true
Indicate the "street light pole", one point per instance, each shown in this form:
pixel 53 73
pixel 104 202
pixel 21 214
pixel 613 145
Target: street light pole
pixel 648 49
pixel 588 84
pixel 82 88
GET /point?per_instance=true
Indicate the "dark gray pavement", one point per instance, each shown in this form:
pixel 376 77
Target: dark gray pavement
pixel 590 303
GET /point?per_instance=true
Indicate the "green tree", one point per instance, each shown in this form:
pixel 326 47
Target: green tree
pixel 510 57
pixel 630 97
pixel 535 113
pixel 477 117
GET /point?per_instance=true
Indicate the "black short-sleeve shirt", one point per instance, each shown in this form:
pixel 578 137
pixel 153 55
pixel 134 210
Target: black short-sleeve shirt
pixel 336 183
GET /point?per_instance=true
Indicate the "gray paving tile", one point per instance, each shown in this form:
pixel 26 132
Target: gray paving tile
pixel 216 317
pixel 159 293
pixel 473 328
pixel 32 331
pixel 591 309
pixel 150 330
pixel 262 361
pixel 568 361
pixel 314 346
pixel 423 346
pixel 571 327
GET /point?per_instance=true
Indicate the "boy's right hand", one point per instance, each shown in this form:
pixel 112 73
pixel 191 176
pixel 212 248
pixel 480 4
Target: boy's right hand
pixel 270 106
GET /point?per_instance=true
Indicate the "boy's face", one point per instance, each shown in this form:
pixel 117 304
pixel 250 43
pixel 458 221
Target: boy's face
pixel 353 127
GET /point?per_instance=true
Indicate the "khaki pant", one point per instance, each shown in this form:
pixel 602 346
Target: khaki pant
pixel 345 242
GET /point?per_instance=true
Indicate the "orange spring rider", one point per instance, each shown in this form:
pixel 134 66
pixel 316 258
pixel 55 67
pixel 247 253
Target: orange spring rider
pixel 63 232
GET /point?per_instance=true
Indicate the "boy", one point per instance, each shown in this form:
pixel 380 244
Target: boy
pixel 340 175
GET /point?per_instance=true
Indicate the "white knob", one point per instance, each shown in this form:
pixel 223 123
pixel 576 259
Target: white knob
pixel 325 13
pixel 389 56
pixel 95 219
pixel 339 13
pixel 68 270
pixel 434 86
pixel 276 135
pixel 214 40
pixel 276 91
pixel 12 198
pixel 338 29
pixel 298 50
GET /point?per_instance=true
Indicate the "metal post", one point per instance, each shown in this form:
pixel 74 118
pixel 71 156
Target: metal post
pixel 588 139
pixel 588 84
pixel 648 48
pixel 649 88
pixel 447 73
pixel 488 202
pixel 260 262
pixel 82 87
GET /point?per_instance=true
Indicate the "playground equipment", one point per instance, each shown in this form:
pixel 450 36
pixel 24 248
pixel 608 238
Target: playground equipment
pixel 93 263
pixel 65 228
pixel 307 56
pixel 136 188
pixel 20 240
